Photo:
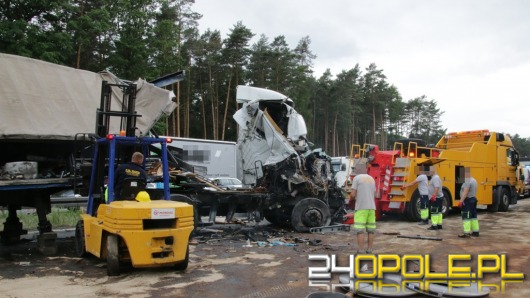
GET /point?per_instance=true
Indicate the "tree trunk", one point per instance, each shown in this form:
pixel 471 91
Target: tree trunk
pixel 212 104
pixel 315 133
pixel 78 56
pixel 203 110
pixel 236 82
pixel 383 143
pixel 335 138
pixel 326 132
pixel 226 108
pixel 373 123
pixel 176 118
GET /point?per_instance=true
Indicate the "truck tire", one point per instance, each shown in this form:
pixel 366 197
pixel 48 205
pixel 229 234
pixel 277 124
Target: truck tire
pixel 309 213
pixel 80 247
pixel 411 211
pixel 181 266
pixel 503 199
pixel 412 208
pixel 405 214
pixel 113 255
pixel 446 203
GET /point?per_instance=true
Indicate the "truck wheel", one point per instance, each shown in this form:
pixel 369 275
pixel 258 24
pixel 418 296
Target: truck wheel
pixel 446 204
pixel 308 213
pixel 184 264
pixel 411 212
pixel 412 208
pixel 405 215
pixel 80 248
pixel 503 199
pixel 113 256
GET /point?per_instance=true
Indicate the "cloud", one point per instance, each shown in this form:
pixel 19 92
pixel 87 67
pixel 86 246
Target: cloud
pixel 472 57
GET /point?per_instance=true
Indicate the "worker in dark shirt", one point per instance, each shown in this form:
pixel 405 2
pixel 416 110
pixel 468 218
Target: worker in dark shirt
pixel 129 170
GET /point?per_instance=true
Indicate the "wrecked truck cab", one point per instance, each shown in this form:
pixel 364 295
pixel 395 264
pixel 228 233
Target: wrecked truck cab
pixel 276 156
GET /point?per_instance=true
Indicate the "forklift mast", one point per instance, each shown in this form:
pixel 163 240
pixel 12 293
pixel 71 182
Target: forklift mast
pixel 127 114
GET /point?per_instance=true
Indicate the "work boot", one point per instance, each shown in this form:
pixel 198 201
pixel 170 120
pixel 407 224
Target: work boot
pixel 465 235
pixel 424 222
pixel 432 228
pixel 474 234
pixel 439 227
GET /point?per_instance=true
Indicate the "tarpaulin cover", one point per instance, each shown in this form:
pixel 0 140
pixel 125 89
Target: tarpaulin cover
pixel 41 100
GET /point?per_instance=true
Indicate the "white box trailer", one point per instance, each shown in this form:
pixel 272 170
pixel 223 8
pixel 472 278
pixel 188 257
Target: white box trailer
pixel 209 158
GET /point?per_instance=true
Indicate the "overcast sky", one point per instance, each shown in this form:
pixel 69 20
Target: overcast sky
pixel 471 56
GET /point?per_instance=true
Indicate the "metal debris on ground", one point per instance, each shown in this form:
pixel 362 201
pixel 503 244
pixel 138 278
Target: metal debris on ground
pixel 391 233
pixel 259 236
pixel 421 237
pixel 333 228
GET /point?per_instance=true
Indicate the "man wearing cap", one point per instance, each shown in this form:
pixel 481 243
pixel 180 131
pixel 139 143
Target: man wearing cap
pixel 363 193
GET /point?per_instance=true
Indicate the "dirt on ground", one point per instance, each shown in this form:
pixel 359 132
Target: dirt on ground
pixel 239 260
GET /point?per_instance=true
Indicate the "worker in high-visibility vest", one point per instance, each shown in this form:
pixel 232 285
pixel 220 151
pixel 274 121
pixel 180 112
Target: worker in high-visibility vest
pixel 363 197
pixel 423 188
pixel 436 195
pixel 468 205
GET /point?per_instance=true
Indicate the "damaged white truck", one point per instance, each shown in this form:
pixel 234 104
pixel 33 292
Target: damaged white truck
pixel 276 156
pixel 286 182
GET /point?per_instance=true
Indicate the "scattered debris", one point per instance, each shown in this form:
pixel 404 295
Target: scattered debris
pixel 248 244
pixel 281 243
pixel 391 233
pixel 333 228
pixel 315 242
pixel 421 237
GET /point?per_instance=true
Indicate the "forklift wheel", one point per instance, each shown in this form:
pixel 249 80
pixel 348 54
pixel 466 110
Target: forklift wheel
pixel 184 264
pixel 113 258
pixel 80 248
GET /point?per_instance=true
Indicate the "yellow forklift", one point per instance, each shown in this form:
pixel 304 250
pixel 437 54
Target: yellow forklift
pixel 146 230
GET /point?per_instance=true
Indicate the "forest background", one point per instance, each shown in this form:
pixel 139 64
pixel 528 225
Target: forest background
pixel 152 38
